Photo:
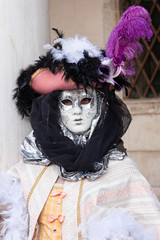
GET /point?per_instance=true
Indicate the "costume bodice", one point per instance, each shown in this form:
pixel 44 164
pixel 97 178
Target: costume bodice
pixel 51 219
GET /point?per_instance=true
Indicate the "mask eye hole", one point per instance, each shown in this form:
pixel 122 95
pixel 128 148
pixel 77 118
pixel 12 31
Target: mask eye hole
pixel 85 101
pixel 67 102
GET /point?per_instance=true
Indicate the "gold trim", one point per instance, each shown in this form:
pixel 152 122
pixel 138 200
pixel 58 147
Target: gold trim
pixel 36 73
pixel 71 81
pixel 35 184
pixel 78 208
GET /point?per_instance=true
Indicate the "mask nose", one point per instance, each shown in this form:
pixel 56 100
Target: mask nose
pixel 77 110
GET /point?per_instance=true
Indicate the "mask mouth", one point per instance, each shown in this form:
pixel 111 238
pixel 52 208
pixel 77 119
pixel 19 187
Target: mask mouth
pixel 78 120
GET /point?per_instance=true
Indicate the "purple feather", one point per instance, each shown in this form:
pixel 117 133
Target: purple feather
pixel 136 12
pixel 123 45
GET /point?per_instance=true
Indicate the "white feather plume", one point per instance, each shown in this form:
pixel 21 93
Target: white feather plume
pixel 13 209
pixel 117 224
pixel 73 49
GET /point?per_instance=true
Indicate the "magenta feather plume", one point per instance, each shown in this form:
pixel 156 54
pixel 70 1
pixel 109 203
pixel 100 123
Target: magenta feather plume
pixel 136 12
pixel 123 44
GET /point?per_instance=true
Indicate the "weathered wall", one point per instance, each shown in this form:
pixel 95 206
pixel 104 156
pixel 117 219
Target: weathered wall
pixel 24 29
pixel 143 137
pixel 91 18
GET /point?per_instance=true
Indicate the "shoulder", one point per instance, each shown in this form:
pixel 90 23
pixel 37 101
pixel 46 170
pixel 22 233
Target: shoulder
pixel 26 174
pixel 124 170
pixel 13 172
pixel 22 169
pixel 125 165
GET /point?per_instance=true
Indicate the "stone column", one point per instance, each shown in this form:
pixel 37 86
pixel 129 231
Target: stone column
pixel 111 16
pixel 24 29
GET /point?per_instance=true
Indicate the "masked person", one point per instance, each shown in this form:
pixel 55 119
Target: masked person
pixel 74 166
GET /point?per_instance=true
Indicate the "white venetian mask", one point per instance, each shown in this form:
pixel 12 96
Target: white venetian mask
pixel 77 109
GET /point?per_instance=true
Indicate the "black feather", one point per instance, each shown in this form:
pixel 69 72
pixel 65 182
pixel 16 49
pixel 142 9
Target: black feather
pixel 122 82
pixel 59 33
pixel 24 94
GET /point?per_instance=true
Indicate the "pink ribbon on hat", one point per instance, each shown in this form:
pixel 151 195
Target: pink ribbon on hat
pixel 43 81
pixel 52 218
